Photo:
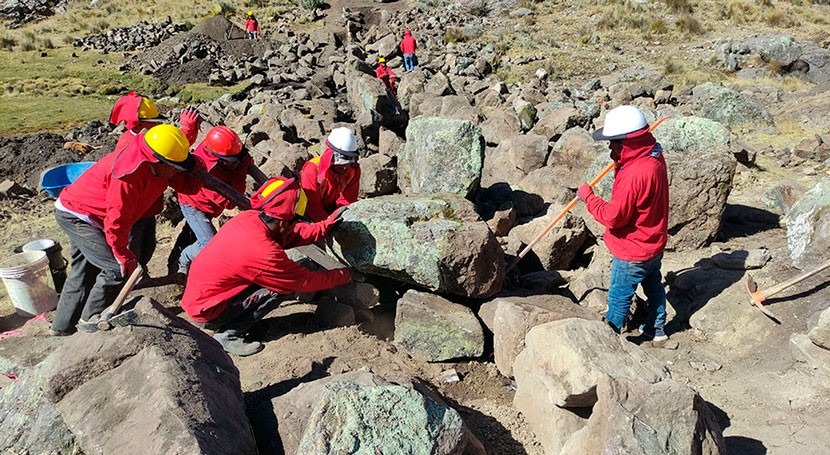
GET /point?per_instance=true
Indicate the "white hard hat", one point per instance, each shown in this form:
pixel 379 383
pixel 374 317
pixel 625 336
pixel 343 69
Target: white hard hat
pixel 619 122
pixel 343 141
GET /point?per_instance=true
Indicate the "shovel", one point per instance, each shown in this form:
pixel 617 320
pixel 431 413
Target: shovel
pixel 758 297
pixel 110 316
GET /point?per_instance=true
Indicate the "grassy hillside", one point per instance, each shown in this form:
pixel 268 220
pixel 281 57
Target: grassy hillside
pixel 574 40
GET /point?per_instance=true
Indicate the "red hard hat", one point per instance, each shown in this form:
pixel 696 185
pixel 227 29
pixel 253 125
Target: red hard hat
pixel 223 142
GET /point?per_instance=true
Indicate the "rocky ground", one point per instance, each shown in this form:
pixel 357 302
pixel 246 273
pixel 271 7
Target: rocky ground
pixel 765 382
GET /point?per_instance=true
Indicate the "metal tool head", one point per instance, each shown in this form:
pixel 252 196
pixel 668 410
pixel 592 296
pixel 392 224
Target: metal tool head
pixel 757 298
pixel 122 319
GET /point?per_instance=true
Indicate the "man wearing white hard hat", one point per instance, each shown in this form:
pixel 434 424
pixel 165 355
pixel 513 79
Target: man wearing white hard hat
pixel 636 218
pixel 332 180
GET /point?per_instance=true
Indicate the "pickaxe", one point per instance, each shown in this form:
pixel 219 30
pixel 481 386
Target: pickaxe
pixel 758 297
pixel 110 317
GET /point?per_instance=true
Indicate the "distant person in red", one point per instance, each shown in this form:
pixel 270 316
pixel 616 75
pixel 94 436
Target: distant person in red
pixel 243 272
pixel 99 209
pixel 139 113
pixel 252 26
pixel 408 47
pixel 332 180
pixel 225 159
pixel 386 74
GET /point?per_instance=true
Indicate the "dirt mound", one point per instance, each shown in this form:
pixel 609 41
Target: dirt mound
pixel 22 159
pixel 219 28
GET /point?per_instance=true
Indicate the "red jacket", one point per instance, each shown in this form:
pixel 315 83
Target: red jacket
pixel 637 216
pixel 408 43
pixel 126 110
pixel 325 189
pixel 251 25
pixel 243 253
pixel 118 190
pixel 384 72
pixel 158 205
pixel 208 201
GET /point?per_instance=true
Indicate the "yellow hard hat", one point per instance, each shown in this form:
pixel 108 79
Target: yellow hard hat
pixel 250 13
pixel 281 198
pixel 147 109
pixel 381 60
pixel 170 145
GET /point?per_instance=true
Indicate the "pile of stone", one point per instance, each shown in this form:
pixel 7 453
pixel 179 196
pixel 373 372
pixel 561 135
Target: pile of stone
pixel 762 55
pixel 140 36
pixel 21 12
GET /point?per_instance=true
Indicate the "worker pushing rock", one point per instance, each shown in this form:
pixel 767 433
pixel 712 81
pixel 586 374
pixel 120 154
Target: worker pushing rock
pixel 243 272
pixel 98 211
pixel 332 180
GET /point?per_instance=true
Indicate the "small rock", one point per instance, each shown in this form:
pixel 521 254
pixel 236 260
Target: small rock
pixel 705 365
pixel 10 189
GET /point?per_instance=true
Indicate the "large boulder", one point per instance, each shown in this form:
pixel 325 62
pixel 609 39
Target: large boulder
pixel 724 105
pixel 701 169
pixel 499 125
pixel 433 329
pixel 514 158
pixel 513 317
pixel 371 102
pixel 805 60
pixel 356 410
pixel 441 155
pixel 572 155
pixel 378 175
pixel 435 241
pixel 560 245
pixel 635 417
pixel 164 373
pixel 808 227
pixel 571 356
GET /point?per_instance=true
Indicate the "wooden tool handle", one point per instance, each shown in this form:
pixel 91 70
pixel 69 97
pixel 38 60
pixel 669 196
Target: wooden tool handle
pixel 125 291
pixel 797 279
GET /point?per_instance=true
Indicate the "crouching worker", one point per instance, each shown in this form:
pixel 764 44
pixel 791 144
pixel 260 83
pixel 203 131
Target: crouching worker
pixel 225 159
pixel 243 272
pixel 98 210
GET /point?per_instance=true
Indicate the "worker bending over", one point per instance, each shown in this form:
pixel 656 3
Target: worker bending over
pixel 224 157
pixel 332 180
pixel 243 272
pixel 636 218
pixel 98 210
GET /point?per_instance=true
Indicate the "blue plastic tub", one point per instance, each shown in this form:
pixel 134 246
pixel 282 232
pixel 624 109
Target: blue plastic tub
pixel 54 179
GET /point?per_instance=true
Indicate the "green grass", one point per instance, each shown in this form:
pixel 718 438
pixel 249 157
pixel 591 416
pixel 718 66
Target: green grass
pixel 26 114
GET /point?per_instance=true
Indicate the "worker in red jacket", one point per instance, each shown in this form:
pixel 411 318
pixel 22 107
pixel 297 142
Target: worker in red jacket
pixel 408 47
pixel 139 113
pixel 636 218
pixel 332 180
pixel 252 26
pixel 98 210
pixel 224 157
pixel 386 74
pixel 243 272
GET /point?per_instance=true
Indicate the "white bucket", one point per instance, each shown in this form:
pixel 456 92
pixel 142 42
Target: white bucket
pixel 29 282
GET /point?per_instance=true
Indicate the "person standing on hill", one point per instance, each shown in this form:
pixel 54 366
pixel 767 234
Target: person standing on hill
pixel 332 180
pixel 408 47
pixel 224 158
pixel 139 113
pixel 252 26
pixel 99 209
pixel 243 272
pixel 636 218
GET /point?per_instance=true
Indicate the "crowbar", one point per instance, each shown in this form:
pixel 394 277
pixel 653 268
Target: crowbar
pixel 758 297
pixel 105 322
pixel 568 208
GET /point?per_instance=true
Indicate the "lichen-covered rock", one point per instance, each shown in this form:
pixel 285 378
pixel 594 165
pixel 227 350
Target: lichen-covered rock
pixel 435 241
pixel 441 155
pixel 727 106
pixel 433 329
pixel 808 227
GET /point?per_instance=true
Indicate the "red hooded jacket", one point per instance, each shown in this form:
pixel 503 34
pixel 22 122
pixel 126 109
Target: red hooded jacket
pixel 251 25
pixel 208 201
pixel 327 190
pixel 243 253
pixel 117 190
pixel 408 45
pixel 637 216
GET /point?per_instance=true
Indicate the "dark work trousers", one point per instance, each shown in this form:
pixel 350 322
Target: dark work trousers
pixel 94 277
pixel 244 310
pixel 143 240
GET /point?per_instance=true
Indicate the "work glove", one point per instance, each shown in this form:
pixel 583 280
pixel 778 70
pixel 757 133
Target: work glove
pixel 584 191
pixel 128 265
pixel 190 120
pixel 337 216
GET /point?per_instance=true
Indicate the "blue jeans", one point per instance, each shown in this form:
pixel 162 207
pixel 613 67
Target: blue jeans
pixel 409 62
pixel 202 228
pixel 625 276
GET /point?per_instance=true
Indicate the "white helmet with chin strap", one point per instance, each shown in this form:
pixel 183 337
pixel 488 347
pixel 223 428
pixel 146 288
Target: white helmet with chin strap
pixel 620 122
pixel 344 143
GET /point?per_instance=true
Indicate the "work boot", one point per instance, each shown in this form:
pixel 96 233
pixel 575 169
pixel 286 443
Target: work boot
pixel 58 333
pixel 237 345
pixel 89 326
